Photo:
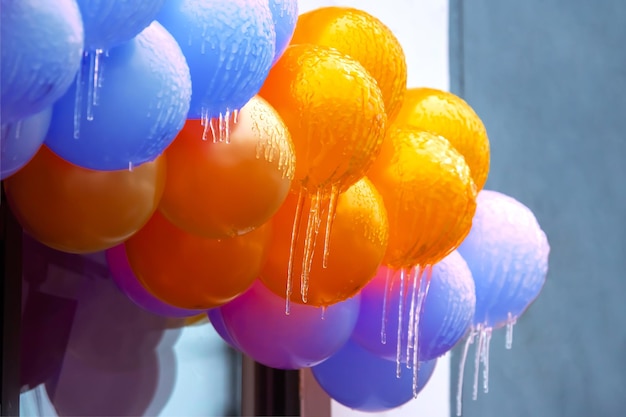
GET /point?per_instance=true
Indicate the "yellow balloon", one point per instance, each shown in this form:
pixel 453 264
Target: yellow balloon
pixel 429 195
pixel 364 38
pixel 448 115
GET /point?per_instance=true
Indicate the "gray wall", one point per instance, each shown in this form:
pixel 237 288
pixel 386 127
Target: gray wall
pixel 548 77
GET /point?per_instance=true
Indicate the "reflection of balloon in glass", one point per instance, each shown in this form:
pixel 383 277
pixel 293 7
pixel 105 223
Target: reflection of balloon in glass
pixel 42 44
pixel 257 322
pixel 109 23
pixel 365 382
pixel 285 16
pixel 192 272
pixel 448 115
pixel 126 129
pixel 127 282
pixel 229 46
pixel 359 232
pixel 446 314
pixel 21 140
pixel 218 189
pixel 364 38
pixel 335 113
pixel 507 252
pixel 77 210
pixel 429 196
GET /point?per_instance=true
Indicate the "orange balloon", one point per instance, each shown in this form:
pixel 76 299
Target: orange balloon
pixel 334 111
pixel 450 116
pixel 218 189
pixel 364 38
pixel 192 272
pixel 78 210
pixel 429 195
pixel 357 244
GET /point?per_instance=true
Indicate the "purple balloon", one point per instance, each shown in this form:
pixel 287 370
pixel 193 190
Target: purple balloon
pixel 127 282
pixel 446 314
pixel 257 322
pixel 217 320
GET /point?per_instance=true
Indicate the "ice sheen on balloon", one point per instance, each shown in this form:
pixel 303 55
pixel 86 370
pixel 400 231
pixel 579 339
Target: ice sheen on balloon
pixel 41 48
pixel 364 38
pixel 109 23
pixel 229 47
pixel 143 102
pixel 21 140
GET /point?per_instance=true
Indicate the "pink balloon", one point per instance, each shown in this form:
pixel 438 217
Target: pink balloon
pixel 127 282
pixel 257 323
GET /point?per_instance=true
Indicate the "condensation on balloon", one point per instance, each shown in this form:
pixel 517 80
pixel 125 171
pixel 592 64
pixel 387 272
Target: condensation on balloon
pixel 92 65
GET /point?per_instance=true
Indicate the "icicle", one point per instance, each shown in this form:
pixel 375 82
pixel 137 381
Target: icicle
pixel 400 314
pixel 332 209
pixel 295 232
pixel 324 308
pixel 130 166
pixel 485 359
pixel 207 123
pixel 411 336
pixel 477 357
pixel 509 331
pixel 312 228
pixel 17 127
pixel 78 100
pixel 236 116
pixel 388 288
pixel 94 82
pixel 459 384
pixel 423 284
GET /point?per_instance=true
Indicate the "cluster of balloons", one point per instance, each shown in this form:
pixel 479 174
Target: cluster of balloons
pixel 271 170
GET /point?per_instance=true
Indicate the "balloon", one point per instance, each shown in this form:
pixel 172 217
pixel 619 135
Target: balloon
pixel 21 140
pixel 364 38
pixel 334 111
pixel 359 231
pixel 109 23
pixel 507 253
pixel 448 115
pixel 285 16
pixel 429 196
pixel 445 316
pixel 257 322
pixel 229 46
pixel 192 272
pixel 217 320
pixel 127 282
pixel 365 382
pixel 42 44
pixel 77 210
pixel 141 106
pixel 218 189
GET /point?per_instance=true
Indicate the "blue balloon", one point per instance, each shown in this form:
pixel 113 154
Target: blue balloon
pixel 285 17
pixel 229 46
pixel 42 44
pixel 109 23
pixel 507 252
pixel 446 315
pixel 362 381
pixel 21 140
pixel 142 104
